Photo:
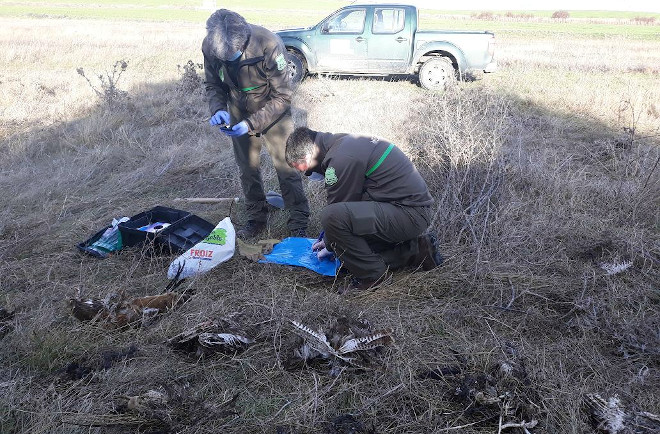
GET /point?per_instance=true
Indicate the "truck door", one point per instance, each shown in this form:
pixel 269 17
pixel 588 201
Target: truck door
pixel 390 41
pixel 341 45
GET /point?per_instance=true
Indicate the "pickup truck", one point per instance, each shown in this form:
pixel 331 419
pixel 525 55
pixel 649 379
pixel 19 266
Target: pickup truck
pixel 382 39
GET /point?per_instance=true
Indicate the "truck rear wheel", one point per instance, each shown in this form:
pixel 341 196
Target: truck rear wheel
pixel 437 73
pixel 296 65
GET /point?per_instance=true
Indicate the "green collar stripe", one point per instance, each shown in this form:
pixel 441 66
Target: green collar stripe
pixel 247 89
pixel 380 161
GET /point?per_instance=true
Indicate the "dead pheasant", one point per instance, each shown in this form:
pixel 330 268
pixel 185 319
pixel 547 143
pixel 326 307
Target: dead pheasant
pixel 223 336
pixel 348 342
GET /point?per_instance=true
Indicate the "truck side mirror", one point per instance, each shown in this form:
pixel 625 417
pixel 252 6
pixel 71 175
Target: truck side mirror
pixel 324 28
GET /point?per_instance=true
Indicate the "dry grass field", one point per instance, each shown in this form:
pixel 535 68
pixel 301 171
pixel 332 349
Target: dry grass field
pixel 547 187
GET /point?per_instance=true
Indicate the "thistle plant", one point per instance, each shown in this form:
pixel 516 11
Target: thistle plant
pixel 107 90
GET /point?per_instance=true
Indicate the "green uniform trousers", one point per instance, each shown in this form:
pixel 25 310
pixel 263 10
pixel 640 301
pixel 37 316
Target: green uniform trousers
pixel 247 151
pixel 370 237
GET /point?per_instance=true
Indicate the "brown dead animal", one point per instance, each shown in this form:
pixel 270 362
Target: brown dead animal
pixel 136 311
pixel 143 309
pixel 160 302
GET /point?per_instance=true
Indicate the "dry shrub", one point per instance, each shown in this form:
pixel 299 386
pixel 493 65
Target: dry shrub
pixel 560 15
pixel 190 81
pixel 644 20
pixel 488 16
pixel 107 88
pixel 517 213
pixel 458 149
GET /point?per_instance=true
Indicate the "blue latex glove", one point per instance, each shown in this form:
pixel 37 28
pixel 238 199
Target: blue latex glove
pixel 220 117
pixel 237 130
pixel 324 253
pixel 318 245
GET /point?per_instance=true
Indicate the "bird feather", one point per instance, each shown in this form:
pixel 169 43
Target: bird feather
pixel 317 340
pixel 378 339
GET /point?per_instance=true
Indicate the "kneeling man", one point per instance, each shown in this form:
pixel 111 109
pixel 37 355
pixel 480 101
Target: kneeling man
pixel 378 205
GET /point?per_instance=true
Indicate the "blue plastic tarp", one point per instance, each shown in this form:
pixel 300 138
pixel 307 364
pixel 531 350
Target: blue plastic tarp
pixel 298 252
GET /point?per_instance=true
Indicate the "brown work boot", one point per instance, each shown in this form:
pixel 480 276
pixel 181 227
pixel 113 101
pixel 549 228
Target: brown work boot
pixel 251 229
pixel 428 257
pixel 356 284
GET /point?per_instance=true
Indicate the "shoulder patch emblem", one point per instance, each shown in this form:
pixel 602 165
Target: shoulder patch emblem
pixel 281 62
pixel 330 176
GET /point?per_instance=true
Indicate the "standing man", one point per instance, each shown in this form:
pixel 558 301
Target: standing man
pixel 249 92
pixel 378 204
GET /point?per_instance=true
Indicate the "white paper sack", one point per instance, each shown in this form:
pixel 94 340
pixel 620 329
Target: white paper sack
pixel 215 249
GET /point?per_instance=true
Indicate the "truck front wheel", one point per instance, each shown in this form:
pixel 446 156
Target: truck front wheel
pixel 437 73
pixel 296 66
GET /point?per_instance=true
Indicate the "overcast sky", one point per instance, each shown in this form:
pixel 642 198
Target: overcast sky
pixel 521 5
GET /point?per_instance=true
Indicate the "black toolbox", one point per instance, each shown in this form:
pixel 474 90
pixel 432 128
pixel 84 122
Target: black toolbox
pixel 134 231
pixel 185 234
pixel 167 229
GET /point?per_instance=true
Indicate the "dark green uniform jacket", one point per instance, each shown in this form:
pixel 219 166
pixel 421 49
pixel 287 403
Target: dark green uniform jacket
pixel 258 83
pixel 345 159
